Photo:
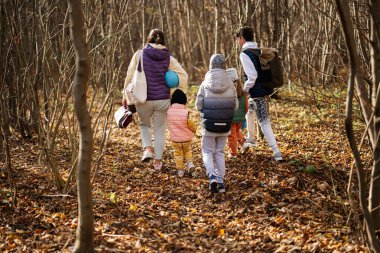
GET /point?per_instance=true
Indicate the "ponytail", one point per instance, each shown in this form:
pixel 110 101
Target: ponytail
pixel 156 36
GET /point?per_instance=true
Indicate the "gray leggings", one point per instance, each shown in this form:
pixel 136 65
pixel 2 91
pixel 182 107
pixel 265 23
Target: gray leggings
pixel 158 109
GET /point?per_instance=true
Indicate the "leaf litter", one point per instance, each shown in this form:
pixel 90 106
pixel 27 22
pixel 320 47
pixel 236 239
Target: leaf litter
pixel 299 205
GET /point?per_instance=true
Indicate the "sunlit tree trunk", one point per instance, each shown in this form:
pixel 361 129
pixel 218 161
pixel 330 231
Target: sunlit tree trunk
pixel 84 239
pixel 356 80
pixel 288 35
pixel 374 192
pixel 144 34
pixel 216 26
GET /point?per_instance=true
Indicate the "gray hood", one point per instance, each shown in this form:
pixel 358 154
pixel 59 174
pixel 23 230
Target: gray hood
pixel 217 81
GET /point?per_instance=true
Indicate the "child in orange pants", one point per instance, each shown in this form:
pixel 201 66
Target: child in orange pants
pixel 236 137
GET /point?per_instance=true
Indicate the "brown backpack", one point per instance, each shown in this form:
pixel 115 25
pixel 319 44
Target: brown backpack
pixel 271 67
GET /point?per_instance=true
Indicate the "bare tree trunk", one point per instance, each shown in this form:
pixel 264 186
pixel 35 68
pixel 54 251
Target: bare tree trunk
pixel 287 44
pixel 276 23
pixel 374 191
pixel 355 77
pixel 143 22
pixel 84 240
pixel 264 14
pixel 249 11
pixel 4 135
pixel 216 26
pixel 361 89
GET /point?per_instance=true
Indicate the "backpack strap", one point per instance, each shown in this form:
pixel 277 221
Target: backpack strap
pixel 256 52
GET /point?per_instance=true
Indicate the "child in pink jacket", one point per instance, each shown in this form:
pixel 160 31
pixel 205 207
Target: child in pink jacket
pixel 182 131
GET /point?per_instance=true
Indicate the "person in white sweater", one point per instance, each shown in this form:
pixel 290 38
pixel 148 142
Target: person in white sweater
pixel 258 93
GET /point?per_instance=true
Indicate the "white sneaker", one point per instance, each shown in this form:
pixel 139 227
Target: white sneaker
pixel 246 146
pixel 147 155
pixel 231 156
pixel 181 173
pixel 278 156
pixel 190 165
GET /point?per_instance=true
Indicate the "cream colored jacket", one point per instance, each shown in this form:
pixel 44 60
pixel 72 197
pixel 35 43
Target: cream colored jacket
pixel 173 65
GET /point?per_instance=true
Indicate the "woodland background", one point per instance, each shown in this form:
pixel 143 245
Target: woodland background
pixel 309 203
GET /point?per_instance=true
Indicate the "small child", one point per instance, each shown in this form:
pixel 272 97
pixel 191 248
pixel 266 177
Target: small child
pixel 182 131
pixel 217 101
pixel 236 136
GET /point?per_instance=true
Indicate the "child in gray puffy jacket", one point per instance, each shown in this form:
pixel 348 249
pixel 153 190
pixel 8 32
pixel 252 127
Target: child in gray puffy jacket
pixel 217 101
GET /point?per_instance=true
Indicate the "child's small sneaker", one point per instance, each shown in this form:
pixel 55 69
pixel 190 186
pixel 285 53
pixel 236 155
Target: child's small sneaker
pixel 157 166
pixel 278 156
pixel 232 156
pixel 213 185
pixel 190 167
pixel 246 146
pixel 221 188
pixel 181 173
pixel 147 155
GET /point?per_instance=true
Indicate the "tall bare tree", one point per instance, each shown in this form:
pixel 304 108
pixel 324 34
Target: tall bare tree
pixel 374 193
pixel 356 81
pixel 84 240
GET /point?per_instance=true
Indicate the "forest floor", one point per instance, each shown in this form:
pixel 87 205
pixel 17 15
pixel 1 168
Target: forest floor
pixel 299 205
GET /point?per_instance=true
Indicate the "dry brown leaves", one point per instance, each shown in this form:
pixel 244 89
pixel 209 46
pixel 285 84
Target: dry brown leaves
pixel 299 205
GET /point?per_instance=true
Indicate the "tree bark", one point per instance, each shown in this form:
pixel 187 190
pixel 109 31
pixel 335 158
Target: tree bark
pixel 355 77
pixel 84 240
pixel 143 22
pixel 276 23
pixel 216 26
pixel 374 191
pixel 4 138
pixel 361 89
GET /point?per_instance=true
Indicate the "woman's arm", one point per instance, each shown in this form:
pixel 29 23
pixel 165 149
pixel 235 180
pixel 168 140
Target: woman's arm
pixel 182 75
pixel 132 68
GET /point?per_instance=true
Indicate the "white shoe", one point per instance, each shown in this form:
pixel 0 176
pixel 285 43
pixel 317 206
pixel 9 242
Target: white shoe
pixel 190 165
pixel 246 146
pixel 181 173
pixel 231 156
pixel 147 155
pixel 278 156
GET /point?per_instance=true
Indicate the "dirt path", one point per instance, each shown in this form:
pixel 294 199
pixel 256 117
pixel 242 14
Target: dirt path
pixel 299 205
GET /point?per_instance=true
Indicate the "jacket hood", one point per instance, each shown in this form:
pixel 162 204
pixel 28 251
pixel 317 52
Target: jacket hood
pixel 156 52
pixel 217 80
pixel 217 61
pixel 250 45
